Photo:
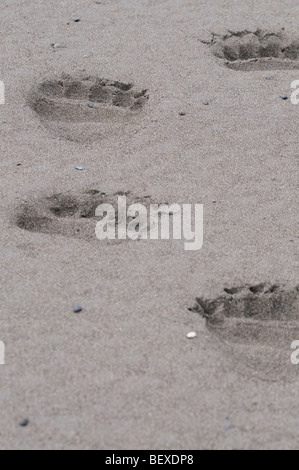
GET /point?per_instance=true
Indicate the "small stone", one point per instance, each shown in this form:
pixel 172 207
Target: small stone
pixel 229 427
pixel 24 423
pixel 77 20
pixel 57 47
pixel 214 202
pixel 206 103
pixel 182 113
pixel 90 105
pixel 77 309
pixel 285 97
pixel 191 335
pixel 269 78
pixel 79 168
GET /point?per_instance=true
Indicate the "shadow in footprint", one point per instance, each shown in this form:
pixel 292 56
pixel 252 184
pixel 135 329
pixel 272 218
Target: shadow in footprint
pixel 86 108
pixel 259 50
pixel 255 327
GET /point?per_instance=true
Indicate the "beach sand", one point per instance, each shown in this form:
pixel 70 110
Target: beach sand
pixel 173 123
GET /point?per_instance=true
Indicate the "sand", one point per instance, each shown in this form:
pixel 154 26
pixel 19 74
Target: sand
pixel 174 101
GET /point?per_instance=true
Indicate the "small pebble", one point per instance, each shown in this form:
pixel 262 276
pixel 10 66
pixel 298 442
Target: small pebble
pixel 269 78
pixel 90 105
pixel 24 423
pixel 229 427
pixel 77 309
pixel 191 335
pixel 182 113
pixel 285 97
pixel 77 20
pixel 206 103
pixel 79 168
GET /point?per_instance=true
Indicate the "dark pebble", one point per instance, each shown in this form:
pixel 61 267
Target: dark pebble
pixel 77 20
pixel 285 97
pixel 78 309
pixel 90 105
pixel 182 114
pixel 24 423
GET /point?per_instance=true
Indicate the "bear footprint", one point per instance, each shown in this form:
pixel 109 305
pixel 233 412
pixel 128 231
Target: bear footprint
pixel 255 326
pixel 70 215
pixel 259 50
pixel 86 108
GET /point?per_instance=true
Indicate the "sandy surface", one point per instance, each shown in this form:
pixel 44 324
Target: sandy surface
pixel 122 374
